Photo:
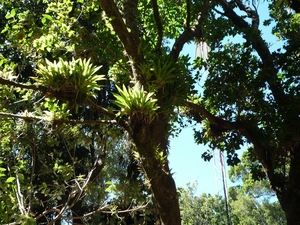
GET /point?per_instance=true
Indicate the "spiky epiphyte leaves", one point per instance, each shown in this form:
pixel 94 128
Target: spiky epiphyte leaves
pixel 160 72
pixel 136 102
pixel 168 78
pixel 69 80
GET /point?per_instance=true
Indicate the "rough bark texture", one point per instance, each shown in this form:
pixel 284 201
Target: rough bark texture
pixel 150 139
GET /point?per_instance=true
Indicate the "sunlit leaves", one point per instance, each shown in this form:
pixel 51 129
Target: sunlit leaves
pixel 11 14
pixel 76 79
pixel 136 101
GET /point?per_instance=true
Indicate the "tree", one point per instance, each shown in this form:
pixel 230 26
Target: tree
pixel 203 209
pixel 250 95
pixel 50 169
pixel 252 201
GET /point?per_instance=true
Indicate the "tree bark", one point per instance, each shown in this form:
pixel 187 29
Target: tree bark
pixel 290 196
pixel 151 139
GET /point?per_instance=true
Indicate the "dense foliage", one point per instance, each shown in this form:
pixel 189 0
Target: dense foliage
pixel 90 92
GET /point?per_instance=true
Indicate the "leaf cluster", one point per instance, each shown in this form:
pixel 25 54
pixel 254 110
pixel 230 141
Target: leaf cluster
pixel 136 101
pixel 71 80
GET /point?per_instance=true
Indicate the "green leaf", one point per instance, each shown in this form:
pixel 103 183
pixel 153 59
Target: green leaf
pixel 10 179
pixel 11 14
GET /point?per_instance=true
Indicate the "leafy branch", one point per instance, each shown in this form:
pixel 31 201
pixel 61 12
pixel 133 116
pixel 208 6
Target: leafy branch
pixel 269 72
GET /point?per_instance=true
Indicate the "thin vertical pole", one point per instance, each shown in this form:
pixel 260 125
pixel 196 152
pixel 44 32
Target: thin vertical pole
pixel 225 188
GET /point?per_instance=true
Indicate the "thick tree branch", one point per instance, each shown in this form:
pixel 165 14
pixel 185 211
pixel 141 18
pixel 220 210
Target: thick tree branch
pixel 158 25
pixel 250 13
pixel 130 12
pixel 111 10
pixel 269 72
pixel 264 150
pixel 128 35
pixel 220 123
pixel 190 33
pixel 129 41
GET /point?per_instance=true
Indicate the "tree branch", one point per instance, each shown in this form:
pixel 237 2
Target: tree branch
pixel 189 34
pixel 111 10
pixel 158 25
pixel 44 90
pixel 29 117
pixel 26 117
pixel 104 111
pixel 248 130
pixel 130 12
pixel 23 86
pixel 129 40
pixel 250 13
pixel 102 210
pixel 130 44
pixel 220 123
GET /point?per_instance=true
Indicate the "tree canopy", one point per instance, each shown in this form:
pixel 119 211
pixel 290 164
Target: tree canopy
pixel 89 87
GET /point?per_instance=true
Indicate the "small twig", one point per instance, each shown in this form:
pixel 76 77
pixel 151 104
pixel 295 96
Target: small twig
pixel 23 86
pixel 56 121
pixel 101 210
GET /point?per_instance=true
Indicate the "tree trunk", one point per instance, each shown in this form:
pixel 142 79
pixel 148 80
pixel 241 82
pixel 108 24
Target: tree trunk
pixel 151 140
pixel 290 197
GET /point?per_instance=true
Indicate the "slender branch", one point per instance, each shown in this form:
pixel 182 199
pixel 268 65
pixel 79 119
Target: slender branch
pixel 127 210
pixel 101 210
pixel 72 122
pixel 20 197
pixel 44 90
pixel 63 209
pixel 23 86
pixel 104 111
pixel 26 117
pixel 46 212
pixel 158 25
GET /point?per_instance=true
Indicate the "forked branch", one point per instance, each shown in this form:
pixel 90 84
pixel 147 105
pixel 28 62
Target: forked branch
pixel 190 33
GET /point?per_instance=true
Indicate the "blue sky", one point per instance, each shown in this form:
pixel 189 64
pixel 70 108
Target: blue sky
pixel 186 162
pixel 188 166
